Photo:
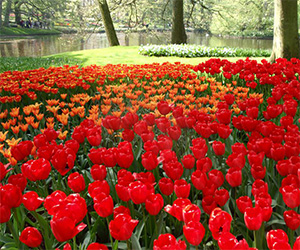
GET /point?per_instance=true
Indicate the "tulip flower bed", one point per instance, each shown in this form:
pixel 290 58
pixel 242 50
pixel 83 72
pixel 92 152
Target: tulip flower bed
pixel 157 156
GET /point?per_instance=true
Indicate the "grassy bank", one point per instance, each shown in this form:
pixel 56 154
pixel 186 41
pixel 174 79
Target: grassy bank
pixel 129 55
pixel 111 55
pixel 5 31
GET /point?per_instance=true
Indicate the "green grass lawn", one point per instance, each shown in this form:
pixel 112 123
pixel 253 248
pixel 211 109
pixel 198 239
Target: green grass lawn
pixel 5 31
pixel 129 55
pixel 111 55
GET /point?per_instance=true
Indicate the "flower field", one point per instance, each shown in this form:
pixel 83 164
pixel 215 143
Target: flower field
pixel 154 156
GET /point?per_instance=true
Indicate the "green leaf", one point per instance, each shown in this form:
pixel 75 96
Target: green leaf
pixel 135 242
pixel 6 239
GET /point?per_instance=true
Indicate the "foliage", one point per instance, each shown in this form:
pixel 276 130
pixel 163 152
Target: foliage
pixel 184 50
pixel 244 18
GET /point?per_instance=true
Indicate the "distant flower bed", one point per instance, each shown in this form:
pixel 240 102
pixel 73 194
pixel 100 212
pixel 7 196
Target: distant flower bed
pixel 184 50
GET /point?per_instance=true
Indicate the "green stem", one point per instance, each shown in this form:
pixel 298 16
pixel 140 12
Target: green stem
pixel 291 236
pixel 13 232
pixel 110 237
pixel 74 243
pixel 128 244
pixel 145 228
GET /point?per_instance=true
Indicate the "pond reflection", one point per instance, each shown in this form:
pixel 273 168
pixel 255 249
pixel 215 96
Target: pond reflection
pixel 53 44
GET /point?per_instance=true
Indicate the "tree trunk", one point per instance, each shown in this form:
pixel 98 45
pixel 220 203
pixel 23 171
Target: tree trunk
pixel 18 12
pixel 1 14
pixel 108 23
pixel 285 37
pixel 7 12
pixel 178 31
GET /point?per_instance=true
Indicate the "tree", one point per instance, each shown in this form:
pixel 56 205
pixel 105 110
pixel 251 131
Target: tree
pixel 108 23
pixel 7 12
pixel 178 30
pixel 0 14
pixel 285 38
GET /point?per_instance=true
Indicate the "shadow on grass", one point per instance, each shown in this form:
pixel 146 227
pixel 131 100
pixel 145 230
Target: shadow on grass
pixel 28 63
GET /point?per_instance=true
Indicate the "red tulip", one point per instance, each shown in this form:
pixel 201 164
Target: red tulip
pixel 121 210
pixel 98 172
pixel 173 169
pixel 138 192
pixel 182 188
pixel 64 228
pixel 96 246
pixel 18 180
pixel 124 155
pixel 219 222
pixel 259 186
pixel 122 226
pixel 224 131
pixel 168 241
pixel 291 219
pixel 276 236
pixel 150 119
pixel 243 202
pixel 166 186
pixel 53 200
pixel 208 204
pixel 204 164
pixel 128 120
pixel 3 170
pixel 218 147
pixel 194 232
pixel 63 160
pixel 35 170
pixel 199 179
pixel 291 196
pixel 234 176
pixel 154 203
pixel 224 116
pixel 5 213
pixel 10 196
pixel 111 122
pixel 297 244
pixel 163 107
pixel 22 150
pixel 128 135
pixel 31 237
pixel 149 160
pixel 217 177
pixel 227 241
pixel 174 132
pixel 221 197
pixel 176 209
pixel 32 201
pixel 236 160
pixel 191 213
pixel 103 205
pixel 258 171
pixel 188 161
pixel 97 187
pixel 253 218
pixel 109 157
pixel 123 190
pixel 76 182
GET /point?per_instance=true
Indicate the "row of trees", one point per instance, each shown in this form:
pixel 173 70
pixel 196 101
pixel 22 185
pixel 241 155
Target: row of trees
pixel 285 39
pixel 217 16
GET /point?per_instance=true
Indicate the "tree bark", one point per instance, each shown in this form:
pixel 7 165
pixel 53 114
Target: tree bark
pixel 1 14
pixel 7 12
pixel 178 30
pixel 108 23
pixel 285 37
pixel 18 12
